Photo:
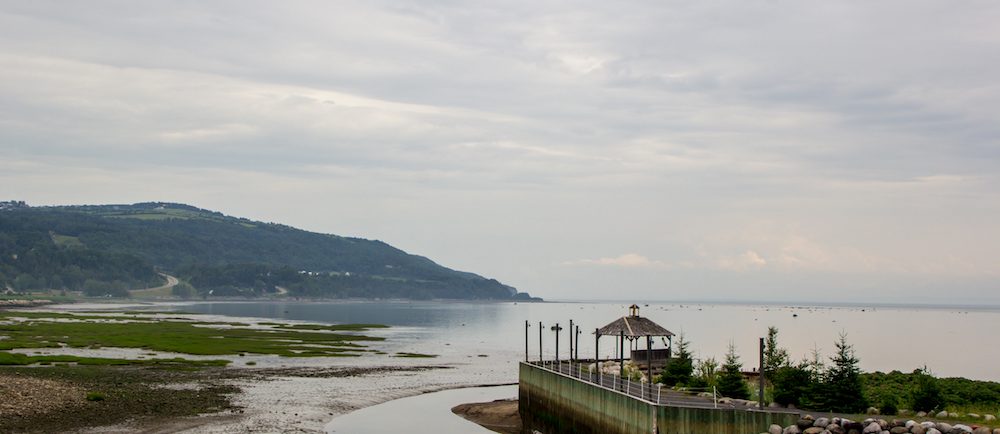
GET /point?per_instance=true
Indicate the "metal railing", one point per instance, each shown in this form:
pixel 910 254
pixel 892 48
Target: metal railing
pixel 654 394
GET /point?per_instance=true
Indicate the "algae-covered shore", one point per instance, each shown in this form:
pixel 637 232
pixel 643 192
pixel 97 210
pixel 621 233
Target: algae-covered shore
pixel 99 371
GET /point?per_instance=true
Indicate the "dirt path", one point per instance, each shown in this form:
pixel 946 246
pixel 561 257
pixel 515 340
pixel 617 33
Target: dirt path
pixel 159 291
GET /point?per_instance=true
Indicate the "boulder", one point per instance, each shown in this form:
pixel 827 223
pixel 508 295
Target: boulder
pixel 928 424
pixel 835 429
pixel 989 418
pixel 921 414
pixel 813 430
pixel 953 415
pixel 918 429
pixel 872 428
pixel 959 428
pixel 973 415
pixel 933 430
pixel 941 414
pixel 804 423
pixel 791 429
pixel 982 430
pixel 899 430
pixel 943 427
pixel 871 410
pixel 896 422
pixel 996 430
pixel 821 422
pixel 774 429
pixel 910 423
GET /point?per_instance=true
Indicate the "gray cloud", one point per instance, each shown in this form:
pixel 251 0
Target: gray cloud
pixel 721 145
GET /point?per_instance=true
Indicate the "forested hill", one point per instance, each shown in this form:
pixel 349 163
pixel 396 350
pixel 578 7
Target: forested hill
pixel 113 248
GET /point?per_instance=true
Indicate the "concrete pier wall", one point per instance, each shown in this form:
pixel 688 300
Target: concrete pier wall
pixel 554 403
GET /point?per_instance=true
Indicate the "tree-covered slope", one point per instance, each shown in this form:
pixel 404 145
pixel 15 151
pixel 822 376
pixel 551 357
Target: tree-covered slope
pixel 118 246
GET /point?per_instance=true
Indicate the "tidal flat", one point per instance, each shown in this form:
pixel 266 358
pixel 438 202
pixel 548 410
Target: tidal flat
pixel 133 371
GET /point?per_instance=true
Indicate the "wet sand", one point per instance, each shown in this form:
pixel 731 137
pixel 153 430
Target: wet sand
pixel 498 416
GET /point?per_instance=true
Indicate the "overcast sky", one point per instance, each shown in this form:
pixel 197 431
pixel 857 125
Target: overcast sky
pixel 776 150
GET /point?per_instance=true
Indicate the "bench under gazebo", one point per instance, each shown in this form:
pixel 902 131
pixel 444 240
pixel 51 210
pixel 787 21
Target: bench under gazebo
pixel 632 328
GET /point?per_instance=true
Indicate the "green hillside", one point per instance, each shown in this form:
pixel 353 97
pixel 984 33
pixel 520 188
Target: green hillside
pixel 109 249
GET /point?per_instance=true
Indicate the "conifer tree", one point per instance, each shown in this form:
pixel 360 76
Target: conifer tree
pixel 842 388
pixel 730 382
pixel 681 366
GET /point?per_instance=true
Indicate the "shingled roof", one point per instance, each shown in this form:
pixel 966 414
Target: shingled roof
pixel 634 326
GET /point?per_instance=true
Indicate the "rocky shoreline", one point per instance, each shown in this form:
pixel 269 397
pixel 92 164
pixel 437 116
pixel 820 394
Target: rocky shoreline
pixel 836 425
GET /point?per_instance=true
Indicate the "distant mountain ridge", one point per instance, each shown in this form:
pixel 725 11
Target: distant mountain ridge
pixel 109 247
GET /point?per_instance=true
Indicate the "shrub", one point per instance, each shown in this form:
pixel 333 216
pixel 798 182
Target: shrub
pixel 95 396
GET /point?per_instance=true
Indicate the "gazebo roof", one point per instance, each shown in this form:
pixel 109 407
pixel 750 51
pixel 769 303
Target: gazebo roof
pixel 634 326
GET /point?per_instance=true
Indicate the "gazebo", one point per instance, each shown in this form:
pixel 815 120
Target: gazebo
pixel 631 328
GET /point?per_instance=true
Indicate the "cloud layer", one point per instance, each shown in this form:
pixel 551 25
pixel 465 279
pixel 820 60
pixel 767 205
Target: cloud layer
pixel 721 146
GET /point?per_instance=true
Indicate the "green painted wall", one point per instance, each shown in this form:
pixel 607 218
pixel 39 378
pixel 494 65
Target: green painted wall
pixel 555 404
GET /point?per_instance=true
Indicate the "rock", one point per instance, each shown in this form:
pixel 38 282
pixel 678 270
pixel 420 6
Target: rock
pixel 996 430
pixel 921 414
pixel 872 428
pixel 774 405
pixel 928 424
pixel 959 428
pixel 918 429
pixel 896 422
pixel 774 429
pixel 813 430
pixel 808 417
pixel 973 415
pixel 883 423
pixel 953 415
pixel 942 413
pixel 989 418
pixel 751 403
pixel 932 431
pixel 791 429
pixel 835 429
pixel 899 430
pixel 910 423
pixel 871 410
pixel 821 422
pixel 982 430
pixel 804 423
pixel 904 412
pixel 943 427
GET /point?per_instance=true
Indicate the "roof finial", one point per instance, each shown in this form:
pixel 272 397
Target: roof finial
pixel 633 310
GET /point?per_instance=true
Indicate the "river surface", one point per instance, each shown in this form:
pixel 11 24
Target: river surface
pixel 948 341
pixel 483 342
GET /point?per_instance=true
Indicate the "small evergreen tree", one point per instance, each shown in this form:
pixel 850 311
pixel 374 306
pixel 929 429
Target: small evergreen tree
pixel 793 385
pixel 841 391
pixel 681 366
pixel 774 357
pixel 926 394
pixel 730 382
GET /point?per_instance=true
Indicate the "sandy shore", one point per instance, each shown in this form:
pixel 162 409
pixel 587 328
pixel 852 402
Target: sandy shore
pixel 499 416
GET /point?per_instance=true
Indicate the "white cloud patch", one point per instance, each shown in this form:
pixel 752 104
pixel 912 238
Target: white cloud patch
pixel 627 260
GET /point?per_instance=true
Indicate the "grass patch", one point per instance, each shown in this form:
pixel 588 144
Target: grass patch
pixel 331 328
pixel 18 359
pixel 187 337
pixel 415 355
pixel 95 396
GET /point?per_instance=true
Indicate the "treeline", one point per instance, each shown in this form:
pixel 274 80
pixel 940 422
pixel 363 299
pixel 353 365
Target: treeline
pixel 31 260
pixel 835 384
pixel 257 280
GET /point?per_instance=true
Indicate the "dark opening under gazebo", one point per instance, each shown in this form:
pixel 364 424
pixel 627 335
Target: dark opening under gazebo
pixel 631 328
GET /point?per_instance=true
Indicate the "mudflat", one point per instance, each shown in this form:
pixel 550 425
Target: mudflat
pixel 499 416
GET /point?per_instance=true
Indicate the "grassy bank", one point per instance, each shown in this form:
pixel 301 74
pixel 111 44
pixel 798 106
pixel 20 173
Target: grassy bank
pixel 26 330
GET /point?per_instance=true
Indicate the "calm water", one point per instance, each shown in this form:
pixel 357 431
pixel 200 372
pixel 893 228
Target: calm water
pixel 950 342
pixel 431 410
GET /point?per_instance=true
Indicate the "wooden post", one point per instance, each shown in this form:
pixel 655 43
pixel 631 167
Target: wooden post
pixel 621 353
pixel 649 363
pixel 540 357
pixel 597 353
pixel 570 340
pixel 526 325
pixel 760 393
